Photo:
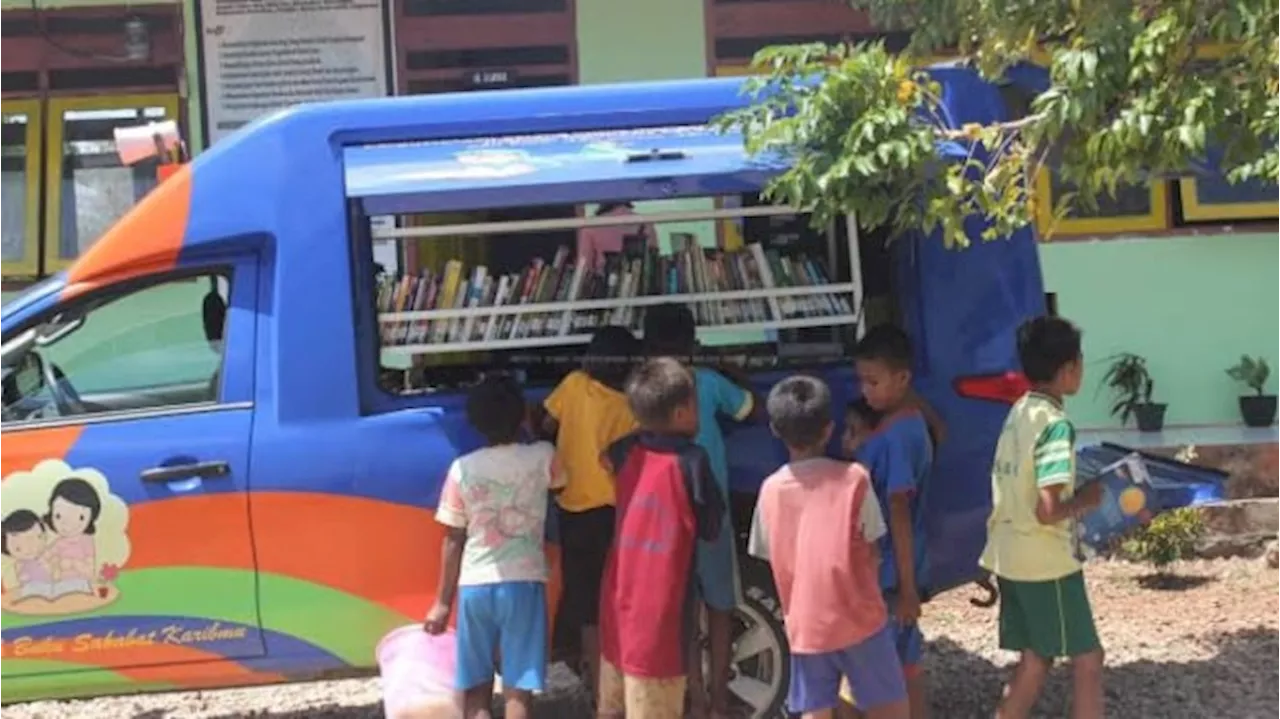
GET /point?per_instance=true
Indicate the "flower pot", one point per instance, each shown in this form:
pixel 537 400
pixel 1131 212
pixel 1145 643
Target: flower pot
pixel 1258 410
pixel 1150 417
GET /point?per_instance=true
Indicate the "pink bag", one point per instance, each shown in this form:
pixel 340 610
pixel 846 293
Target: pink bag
pixel 417 674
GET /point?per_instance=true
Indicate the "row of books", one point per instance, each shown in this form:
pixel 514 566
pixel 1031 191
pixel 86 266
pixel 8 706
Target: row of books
pixel 689 269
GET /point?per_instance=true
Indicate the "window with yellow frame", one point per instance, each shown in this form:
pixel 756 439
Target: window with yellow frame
pixel 1215 198
pixel 86 187
pixel 1135 208
pixel 20 166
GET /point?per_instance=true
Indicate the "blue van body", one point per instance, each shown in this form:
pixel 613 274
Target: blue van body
pixel 300 492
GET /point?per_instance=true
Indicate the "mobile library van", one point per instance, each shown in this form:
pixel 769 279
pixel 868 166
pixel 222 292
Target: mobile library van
pixel 236 485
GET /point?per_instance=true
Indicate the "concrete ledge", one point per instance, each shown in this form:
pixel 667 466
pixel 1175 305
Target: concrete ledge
pixel 1239 528
pixel 1242 516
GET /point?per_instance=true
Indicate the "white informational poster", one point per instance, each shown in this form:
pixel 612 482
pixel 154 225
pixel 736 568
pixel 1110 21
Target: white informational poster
pixel 264 55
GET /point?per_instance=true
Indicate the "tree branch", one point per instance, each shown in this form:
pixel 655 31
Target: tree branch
pixel 1012 126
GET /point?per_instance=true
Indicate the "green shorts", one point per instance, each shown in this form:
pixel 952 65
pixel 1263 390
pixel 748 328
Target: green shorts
pixel 1050 618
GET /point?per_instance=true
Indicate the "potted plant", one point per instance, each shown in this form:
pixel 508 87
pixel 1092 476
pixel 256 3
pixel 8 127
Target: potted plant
pixel 1258 410
pixel 1131 387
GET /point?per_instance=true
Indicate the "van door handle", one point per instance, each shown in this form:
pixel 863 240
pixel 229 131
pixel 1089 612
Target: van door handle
pixel 186 471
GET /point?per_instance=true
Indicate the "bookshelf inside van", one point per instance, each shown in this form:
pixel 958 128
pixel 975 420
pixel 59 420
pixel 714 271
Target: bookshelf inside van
pixel 526 286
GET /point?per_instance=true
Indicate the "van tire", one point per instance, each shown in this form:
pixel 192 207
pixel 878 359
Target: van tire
pixel 760 664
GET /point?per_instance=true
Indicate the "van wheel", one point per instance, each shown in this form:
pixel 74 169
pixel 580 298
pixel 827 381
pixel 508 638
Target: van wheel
pixel 759 665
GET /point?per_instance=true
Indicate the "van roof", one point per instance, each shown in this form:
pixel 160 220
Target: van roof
pixel 282 174
pixel 283 179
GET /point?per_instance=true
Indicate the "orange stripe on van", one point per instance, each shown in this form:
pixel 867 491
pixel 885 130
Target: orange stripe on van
pixel 384 553
pixel 199 675
pixel 147 239
pixel 210 530
pixel 24 449
pixel 378 551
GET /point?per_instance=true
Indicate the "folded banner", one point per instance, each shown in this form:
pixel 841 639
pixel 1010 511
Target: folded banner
pixel 1128 500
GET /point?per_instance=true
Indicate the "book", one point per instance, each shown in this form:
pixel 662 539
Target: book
pixel 448 291
pixel 474 295
pixel 1128 500
pixel 499 299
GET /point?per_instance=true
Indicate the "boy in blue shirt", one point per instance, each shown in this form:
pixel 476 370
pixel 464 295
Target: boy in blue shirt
pixel 670 330
pixel 899 457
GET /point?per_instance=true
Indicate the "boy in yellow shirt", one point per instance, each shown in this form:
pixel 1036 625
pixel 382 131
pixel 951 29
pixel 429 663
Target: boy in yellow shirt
pixel 587 412
pixel 1044 609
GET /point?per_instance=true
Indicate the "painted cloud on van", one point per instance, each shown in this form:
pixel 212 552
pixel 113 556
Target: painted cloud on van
pixel 64 540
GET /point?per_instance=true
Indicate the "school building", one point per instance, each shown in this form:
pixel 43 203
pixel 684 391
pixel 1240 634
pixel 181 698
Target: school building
pixel 1183 273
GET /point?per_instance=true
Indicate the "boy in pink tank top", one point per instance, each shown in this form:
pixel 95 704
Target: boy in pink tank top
pixel 817 522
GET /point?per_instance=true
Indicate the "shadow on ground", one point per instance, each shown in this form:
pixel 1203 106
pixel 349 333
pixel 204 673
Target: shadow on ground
pixel 1240 680
pixel 1173 582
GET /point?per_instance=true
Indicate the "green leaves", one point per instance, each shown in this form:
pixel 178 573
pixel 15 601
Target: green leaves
pixel 1252 372
pixel 1137 90
pixel 1171 535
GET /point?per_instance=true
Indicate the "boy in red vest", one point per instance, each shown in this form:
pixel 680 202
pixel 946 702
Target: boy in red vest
pixel 667 499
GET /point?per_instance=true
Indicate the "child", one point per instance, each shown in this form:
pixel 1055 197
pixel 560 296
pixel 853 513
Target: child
pixel 899 455
pixel 667 500
pixel 74 508
pixel 24 539
pixel 859 422
pixel 671 330
pixel 586 413
pixel 1044 611
pixel 494 506
pixel 817 522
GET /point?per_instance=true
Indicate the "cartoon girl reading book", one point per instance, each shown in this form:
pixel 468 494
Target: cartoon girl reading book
pixel 73 513
pixel 23 537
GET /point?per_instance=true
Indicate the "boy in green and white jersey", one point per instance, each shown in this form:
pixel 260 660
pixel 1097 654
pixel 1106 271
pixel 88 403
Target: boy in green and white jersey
pixel 1044 609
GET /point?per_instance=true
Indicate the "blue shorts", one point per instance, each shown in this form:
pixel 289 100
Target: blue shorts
pixel 508 621
pixel 717 570
pixel 907 638
pixel 910 643
pixel 872 667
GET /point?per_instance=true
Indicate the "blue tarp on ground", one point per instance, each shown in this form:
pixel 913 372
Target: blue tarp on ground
pixel 1175 484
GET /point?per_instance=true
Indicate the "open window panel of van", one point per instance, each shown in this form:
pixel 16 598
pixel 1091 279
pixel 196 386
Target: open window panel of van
pixel 507 254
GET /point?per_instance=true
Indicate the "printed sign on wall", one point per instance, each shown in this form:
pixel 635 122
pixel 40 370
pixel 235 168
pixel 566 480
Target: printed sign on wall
pixel 264 55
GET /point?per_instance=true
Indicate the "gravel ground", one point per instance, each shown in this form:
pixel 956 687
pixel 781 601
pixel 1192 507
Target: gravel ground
pixel 1205 648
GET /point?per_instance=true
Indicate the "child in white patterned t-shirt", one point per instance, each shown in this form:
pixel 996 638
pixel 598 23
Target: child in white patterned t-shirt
pixel 494 506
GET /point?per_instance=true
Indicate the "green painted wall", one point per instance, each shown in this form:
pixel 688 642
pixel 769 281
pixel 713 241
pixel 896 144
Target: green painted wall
pixel 1190 305
pixel 651 40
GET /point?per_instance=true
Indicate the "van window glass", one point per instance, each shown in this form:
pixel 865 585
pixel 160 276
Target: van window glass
pixel 154 347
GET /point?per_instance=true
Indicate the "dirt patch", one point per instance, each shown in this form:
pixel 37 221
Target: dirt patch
pixel 1203 646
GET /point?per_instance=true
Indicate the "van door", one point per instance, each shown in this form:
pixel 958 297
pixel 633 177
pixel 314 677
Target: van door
pixel 127 554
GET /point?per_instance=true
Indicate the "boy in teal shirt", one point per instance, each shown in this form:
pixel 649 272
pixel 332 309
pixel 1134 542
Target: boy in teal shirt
pixel 670 330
